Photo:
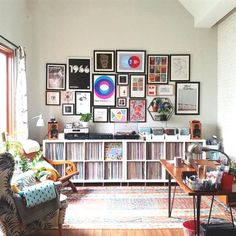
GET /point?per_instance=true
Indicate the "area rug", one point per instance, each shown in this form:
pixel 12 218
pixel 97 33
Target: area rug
pixel 132 207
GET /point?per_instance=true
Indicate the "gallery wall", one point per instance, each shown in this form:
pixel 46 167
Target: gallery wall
pixel 61 29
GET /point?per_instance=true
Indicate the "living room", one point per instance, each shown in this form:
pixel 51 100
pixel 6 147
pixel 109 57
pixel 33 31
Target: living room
pixel 52 31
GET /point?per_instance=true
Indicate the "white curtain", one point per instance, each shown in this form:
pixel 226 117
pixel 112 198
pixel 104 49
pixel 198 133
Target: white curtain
pixel 21 106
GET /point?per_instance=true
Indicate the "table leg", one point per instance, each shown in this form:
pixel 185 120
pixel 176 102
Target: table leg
pixel 198 215
pixel 169 195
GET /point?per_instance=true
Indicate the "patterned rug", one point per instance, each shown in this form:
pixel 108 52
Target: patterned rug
pixel 132 207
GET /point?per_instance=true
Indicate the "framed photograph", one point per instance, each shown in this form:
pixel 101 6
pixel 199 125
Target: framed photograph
pixel 121 102
pixel 165 89
pixel 55 76
pixel 104 61
pixel 180 67
pixel 100 114
pixel 123 79
pixel 104 90
pixel 67 97
pixel 131 61
pixel 151 89
pixel 53 98
pixel 158 68
pixel 118 115
pixel 137 86
pixel 82 102
pixel 67 109
pixel 187 98
pixel 79 73
pixel 123 91
pixel 137 110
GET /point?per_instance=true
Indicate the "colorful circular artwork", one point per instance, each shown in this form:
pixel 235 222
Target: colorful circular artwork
pixel 104 87
pixel 130 62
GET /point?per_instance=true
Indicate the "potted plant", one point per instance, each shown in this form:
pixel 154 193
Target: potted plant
pixel 85 118
pixel 155 104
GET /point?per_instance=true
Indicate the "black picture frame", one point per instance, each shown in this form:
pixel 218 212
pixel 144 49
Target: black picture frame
pixel 187 98
pixel 100 114
pixel 130 61
pixel 53 98
pixel 122 79
pixel 79 73
pixel 82 102
pixel 55 76
pixel 137 86
pixel 104 60
pixel 158 68
pixel 118 115
pixel 121 102
pixel 180 67
pixel 68 109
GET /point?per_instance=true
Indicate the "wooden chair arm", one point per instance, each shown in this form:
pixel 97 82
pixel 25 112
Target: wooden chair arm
pixel 70 169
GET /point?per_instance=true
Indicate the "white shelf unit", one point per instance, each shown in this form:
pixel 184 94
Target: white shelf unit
pixel 115 160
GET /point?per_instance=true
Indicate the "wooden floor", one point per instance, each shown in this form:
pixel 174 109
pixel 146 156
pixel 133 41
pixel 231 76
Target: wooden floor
pixel 105 232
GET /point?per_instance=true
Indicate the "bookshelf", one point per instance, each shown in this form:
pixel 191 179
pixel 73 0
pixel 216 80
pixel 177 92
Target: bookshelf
pixel 116 160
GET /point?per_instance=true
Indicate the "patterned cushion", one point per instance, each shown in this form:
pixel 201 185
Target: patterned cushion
pixel 23 180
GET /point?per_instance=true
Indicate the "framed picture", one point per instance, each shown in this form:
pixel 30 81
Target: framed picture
pixel 123 91
pixel 121 102
pixel 137 110
pixel 165 89
pixel 67 109
pixel 187 101
pixel 104 90
pixel 118 115
pixel 79 73
pixel 55 76
pixel 151 90
pixel 67 97
pixel 123 79
pixel 53 98
pixel 131 61
pixel 104 61
pixel 180 67
pixel 137 86
pixel 100 114
pixel 82 102
pixel 158 68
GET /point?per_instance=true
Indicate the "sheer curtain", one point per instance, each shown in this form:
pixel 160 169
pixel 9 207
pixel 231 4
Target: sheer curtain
pixel 21 106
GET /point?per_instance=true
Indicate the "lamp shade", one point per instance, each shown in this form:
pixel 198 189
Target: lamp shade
pixel 40 121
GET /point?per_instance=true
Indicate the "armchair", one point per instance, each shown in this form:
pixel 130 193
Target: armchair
pixel 18 220
pixel 31 147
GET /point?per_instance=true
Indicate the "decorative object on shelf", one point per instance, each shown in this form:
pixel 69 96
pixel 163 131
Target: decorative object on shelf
pixel 187 100
pixel 53 98
pixel 55 76
pixel 137 86
pixel 195 128
pixel 82 102
pixel 104 60
pixel 79 73
pixel 53 129
pixel 131 61
pixel 137 110
pixel 104 90
pixel 160 109
pixel 85 118
pixel 158 68
pixel 180 67
pixel 67 109
pixel 119 115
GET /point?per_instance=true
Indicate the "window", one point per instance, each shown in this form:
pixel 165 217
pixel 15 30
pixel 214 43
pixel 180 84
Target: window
pixel 6 90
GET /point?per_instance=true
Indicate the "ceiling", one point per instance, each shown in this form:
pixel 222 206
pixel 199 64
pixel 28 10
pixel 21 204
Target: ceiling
pixel 207 13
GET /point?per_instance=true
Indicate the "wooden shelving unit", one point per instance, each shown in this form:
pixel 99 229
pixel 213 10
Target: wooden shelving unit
pixel 117 160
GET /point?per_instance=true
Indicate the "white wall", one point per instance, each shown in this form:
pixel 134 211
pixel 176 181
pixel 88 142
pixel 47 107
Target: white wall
pixel 65 28
pixel 227 82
